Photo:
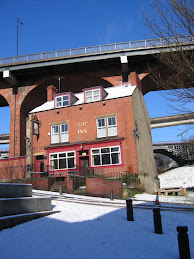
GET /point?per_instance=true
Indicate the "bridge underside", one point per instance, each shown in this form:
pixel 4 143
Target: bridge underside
pixel 177 158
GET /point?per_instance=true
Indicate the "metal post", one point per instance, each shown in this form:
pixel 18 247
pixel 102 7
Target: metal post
pixel 111 195
pixel 60 190
pixel 157 221
pixel 183 241
pixel 129 210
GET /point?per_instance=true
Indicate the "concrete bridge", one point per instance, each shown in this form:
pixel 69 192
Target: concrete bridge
pixel 175 120
pixel 24 79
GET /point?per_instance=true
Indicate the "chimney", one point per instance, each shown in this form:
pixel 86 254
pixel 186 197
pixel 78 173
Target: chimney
pixel 51 91
pixel 135 80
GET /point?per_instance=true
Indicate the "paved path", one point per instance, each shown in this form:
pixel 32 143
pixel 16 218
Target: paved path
pixel 114 203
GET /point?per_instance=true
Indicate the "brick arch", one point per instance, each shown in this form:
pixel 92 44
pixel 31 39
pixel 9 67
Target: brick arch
pixel 75 82
pixel 147 83
pixel 36 95
pixel 5 102
pixel 6 97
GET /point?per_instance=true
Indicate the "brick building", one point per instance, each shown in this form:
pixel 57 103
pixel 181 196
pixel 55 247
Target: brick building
pixel 104 129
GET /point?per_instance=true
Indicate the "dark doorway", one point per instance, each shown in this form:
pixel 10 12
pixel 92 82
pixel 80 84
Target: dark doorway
pixel 39 165
pixel 84 166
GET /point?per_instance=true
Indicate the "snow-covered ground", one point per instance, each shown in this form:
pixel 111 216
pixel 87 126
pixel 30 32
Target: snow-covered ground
pixel 181 176
pixel 178 177
pixel 90 231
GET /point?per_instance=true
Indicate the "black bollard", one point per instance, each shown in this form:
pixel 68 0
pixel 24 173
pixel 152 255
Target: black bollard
pixel 60 190
pixel 157 221
pixel 183 241
pixel 111 195
pixel 129 210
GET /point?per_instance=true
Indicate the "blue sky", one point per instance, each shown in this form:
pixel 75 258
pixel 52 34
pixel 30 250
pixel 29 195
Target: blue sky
pixel 54 25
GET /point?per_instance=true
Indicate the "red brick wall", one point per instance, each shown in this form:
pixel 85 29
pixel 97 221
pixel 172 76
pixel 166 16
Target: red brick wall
pixel 38 183
pixel 121 107
pixel 51 91
pixel 69 185
pixel 13 168
pixel 97 186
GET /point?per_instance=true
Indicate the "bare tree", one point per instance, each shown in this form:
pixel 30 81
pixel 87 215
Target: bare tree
pixel 172 20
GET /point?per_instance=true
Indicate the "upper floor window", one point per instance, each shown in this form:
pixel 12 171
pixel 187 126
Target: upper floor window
pixel 106 127
pixel 92 95
pixel 59 133
pixel 62 101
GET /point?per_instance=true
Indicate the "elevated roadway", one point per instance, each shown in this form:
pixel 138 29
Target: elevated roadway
pixel 4 139
pixel 175 120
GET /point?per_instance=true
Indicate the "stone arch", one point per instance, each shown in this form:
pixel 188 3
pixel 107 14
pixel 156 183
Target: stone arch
pixel 178 157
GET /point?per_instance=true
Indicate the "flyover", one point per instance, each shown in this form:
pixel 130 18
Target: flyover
pixel 175 120
pixel 4 138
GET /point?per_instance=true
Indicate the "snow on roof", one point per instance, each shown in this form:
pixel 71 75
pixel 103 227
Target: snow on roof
pixel 113 93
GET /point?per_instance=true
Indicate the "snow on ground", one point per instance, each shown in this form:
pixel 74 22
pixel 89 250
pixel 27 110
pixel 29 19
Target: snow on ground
pixel 89 231
pixel 181 176
pixel 184 200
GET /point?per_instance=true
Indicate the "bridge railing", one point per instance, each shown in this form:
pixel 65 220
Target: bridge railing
pixel 95 49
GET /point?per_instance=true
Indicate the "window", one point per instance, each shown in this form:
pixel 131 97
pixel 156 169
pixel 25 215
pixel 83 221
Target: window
pixel 112 126
pixel 59 133
pixel 92 95
pixel 62 101
pixel 101 128
pixel 54 134
pixel 106 156
pixel 64 133
pixel 110 130
pixel 65 160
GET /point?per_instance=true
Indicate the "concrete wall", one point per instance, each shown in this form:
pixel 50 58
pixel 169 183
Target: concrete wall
pixel 10 190
pixel 24 205
pixel 146 163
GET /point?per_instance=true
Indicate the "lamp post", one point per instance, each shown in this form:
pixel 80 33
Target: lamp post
pixel 18 23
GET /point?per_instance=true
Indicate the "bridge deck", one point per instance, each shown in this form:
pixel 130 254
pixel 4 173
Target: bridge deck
pixel 130 45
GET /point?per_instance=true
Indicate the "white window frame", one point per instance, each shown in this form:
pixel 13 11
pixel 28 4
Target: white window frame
pixel 101 130
pixel 109 130
pixel 92 96
pixel 60 103
pixel 54 135
pixel 112 128
pixel 100 154
pixel 59 137
pixel 58 158
pixel 64 135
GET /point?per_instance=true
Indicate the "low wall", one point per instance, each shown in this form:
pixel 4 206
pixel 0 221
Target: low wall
pixel 38 183
pixel 24 205
pixel 13 168
pixel 70 185
pixel 98 186
pixel 11 190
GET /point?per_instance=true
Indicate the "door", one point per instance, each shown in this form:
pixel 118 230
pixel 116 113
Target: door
pixel 84 166
pixel 39 166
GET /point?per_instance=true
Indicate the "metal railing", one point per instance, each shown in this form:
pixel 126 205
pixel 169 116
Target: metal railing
pixel 96 49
